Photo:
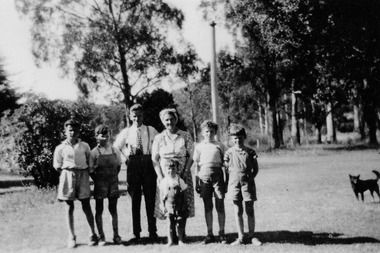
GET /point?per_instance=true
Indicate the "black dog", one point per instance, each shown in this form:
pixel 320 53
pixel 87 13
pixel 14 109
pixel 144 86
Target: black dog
pixel 360 186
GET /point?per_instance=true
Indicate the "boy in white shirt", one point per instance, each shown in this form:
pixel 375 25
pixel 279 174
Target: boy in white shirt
pixel 211 178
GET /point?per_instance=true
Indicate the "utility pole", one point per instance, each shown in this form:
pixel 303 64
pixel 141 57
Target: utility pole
pixel 214 89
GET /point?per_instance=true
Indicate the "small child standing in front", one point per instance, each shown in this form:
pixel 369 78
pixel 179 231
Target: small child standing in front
pixel 211 180
pixel 105 162
pixel 242 169
pixel 71 159
pixel 172 196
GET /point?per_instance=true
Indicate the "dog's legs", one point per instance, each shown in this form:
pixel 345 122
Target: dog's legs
pixel 373 197
pixel 357 195
pixel 378 193
pixel 362 194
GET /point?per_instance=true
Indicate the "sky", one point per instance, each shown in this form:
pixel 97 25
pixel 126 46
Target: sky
pixel 15 50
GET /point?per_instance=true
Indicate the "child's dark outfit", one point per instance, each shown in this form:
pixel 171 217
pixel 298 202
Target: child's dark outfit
pixel 106 181
pixel 173 197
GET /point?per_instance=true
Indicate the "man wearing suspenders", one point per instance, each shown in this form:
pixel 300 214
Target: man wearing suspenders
pixel 135 143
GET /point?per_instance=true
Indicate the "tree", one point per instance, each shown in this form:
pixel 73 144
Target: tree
pixel 194 101
pixel 153 103
pixel 264 40
pixel 8 96
pixel 120 43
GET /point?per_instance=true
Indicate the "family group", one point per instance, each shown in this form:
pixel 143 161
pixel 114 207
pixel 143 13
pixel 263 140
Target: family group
pixel 158 167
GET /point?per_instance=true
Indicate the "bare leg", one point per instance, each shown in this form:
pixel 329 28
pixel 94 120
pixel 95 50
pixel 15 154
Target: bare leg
pixel 70 218
pixel 112 207
pixel 219 205
pixel 171 231
pixel 98 217
pixel 238 213
pixel 86 207
pixel 181 231
pixel 208 206
pixel 251 217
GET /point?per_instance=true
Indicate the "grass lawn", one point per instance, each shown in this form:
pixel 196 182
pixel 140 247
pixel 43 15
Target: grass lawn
pixel 305 204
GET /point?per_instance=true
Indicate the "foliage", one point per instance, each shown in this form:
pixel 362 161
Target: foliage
pixel 37 128
pixel 153 103
pixel 8 134
pixel 8 96
pixel 327 51
pixel 120 43
pixel 194 105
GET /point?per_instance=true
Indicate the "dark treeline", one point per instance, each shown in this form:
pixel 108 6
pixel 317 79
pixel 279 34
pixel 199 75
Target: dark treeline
pixel 300 64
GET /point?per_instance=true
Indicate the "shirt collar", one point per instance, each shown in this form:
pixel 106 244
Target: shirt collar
pixel 135 127
pixel 68 143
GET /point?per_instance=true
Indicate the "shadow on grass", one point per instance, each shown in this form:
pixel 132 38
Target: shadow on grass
pixel 16 183
pixel 300 237
pixel 355 147
pixel 310 238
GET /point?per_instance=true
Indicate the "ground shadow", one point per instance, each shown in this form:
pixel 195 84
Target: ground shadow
pixel 16 183
pixel 293 237
pixel 298 237
pixel 311 238
pixel 354 147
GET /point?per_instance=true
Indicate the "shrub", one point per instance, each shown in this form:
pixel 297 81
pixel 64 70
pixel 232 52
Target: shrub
pixel 8 153
pixel 40 126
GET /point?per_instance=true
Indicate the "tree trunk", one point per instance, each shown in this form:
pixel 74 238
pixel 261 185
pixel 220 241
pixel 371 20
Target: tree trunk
pixel 260 117
pixel 266 119
pixel 273 117
pixel 371 118
pixel 329 124
pixel 318 129
pixel 125 86
pixel 359 121
pixel 369 111
pixel 280 128
pixel 295 128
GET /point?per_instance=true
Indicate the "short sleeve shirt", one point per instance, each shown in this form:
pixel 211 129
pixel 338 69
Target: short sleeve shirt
pixel 71 156
pixel 209 154
pixel 241 160
pixel 167 182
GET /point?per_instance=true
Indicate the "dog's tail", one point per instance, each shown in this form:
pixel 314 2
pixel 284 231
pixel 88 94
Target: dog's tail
pixel 377 174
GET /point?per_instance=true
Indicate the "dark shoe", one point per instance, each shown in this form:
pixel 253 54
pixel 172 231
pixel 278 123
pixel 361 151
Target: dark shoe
pixel 117 239
pixel 135 239
pixel 223 239
pixel 153 236
pixel 209 239
pixel 93 240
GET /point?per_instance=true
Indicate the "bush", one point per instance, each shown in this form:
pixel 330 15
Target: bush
pixel 40 127
pixel 8 153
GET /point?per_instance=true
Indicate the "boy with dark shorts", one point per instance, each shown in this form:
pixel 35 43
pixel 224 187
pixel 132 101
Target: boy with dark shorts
pixel 242 165
pixel 211 180
pixel 71 160
pixel 105 162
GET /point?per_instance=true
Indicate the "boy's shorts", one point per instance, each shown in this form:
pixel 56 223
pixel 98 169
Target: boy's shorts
pixel 106 187
pixel 74 184
pixel 241 187
pixel 212 181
